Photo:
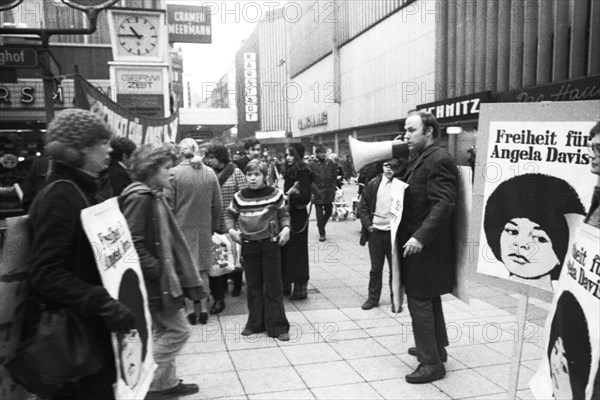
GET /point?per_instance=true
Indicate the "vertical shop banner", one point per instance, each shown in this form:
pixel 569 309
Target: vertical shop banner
pixel 532 187
pixel 118 263
pixel 569 366
pixel 250 87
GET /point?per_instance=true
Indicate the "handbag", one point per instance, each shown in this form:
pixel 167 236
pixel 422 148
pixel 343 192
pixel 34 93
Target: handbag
pixel 56 346
pixel 63 349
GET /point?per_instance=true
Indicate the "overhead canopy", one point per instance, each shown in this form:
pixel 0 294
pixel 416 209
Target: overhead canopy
pixel 205 123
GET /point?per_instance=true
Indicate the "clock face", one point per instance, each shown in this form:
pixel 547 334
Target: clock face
pixel 137 35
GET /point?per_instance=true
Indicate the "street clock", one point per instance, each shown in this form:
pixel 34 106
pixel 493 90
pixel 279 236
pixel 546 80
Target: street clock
pixel 138 35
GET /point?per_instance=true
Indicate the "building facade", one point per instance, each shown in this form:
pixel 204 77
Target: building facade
pixel 23 107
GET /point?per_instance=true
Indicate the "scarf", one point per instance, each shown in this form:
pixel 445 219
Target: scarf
pixel 226 173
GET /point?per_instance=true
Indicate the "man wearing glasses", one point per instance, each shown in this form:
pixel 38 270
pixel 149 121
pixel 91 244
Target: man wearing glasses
pixel 375 210
pixel 593 217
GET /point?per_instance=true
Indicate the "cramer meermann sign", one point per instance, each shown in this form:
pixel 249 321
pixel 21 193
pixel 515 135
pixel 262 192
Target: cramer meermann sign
pixel 189 24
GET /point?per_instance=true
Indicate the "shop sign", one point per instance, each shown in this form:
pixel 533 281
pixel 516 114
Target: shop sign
pixel 457 109
pixel 139 81
pixel 313 120
pixel 189 24
pixel 587 88
pixel 28 95
pixel 250 87
pixel 260 135
pixel 12 57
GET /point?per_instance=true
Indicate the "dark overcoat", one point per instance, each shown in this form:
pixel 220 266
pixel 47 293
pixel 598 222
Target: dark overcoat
pixel 427 216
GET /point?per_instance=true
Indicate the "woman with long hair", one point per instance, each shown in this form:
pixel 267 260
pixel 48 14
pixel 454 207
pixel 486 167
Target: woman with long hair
pixel 294 256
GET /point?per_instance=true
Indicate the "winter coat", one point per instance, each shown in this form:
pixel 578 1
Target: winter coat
pixel 325 178
pixel 294 255
pixel 170 272
pixel 118 177
pixel 63 266
pixel 197 205
pixel 427 216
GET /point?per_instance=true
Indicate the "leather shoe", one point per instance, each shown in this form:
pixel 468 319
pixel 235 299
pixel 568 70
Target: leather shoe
pixel 248 332
pixel 426 373
pixel 322 238
pixel 284 337
pixel 442 350
pixel 181 389
pixel 236 291
pixel 192 318
pixel 217 307
pixel 369 304
pixel 203 318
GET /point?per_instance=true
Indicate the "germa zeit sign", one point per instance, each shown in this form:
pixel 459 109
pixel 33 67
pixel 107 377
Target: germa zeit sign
pixel 189 24
pixel 12 57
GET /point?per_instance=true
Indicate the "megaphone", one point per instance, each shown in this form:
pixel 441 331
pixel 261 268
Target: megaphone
pixel 364 153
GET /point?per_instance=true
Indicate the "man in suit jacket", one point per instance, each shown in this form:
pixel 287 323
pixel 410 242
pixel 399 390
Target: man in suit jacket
pixel 120 155
pixel 425 232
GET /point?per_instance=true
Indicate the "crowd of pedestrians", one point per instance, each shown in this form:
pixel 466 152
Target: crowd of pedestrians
pixel 174 200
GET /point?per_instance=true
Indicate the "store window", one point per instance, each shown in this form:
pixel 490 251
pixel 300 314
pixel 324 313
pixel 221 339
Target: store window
pixel 18 150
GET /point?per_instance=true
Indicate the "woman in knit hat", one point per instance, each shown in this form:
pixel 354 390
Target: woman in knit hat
pixel 294 257
pixel 63 266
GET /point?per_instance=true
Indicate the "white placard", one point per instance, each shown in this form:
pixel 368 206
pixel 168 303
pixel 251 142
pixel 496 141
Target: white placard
pixel 119 266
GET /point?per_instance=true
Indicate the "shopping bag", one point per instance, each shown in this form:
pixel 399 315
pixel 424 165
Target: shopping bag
pixel 223 255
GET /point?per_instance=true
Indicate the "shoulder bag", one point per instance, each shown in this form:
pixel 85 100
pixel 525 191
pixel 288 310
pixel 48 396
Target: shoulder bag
pixel 57 346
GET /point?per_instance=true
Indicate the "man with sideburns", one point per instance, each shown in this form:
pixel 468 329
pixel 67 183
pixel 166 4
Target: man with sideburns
pixel 425 234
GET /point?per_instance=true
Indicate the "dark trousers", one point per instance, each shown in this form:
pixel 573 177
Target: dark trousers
pixel 217 288
pixel 429 328
pixel 380 249
pixel 106 393
pixel 236 277
pixel 262 263
pixel 323 213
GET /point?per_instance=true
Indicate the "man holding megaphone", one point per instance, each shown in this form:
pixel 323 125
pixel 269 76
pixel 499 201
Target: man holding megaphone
pixel 427 266
pixel 425 234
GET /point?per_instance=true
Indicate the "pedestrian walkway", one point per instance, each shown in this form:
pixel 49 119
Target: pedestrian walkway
pixel 339 351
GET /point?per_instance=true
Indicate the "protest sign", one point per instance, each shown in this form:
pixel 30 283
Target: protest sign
pixel 533 172
pixel 118 263
pixel 569 366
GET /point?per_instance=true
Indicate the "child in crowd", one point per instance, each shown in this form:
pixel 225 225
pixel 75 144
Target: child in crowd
pixel 264 226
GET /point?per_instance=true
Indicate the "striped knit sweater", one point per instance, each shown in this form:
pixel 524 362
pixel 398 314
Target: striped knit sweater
pixel 255 209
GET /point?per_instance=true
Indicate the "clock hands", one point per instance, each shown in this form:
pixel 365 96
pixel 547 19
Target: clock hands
pixel 137 35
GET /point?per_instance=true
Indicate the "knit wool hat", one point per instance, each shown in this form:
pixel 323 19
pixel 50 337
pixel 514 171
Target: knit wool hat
pixel 71 131
pixel 78 128
pixel 299 149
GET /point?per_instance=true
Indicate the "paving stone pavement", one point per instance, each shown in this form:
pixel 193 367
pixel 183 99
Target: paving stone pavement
pixel 339 351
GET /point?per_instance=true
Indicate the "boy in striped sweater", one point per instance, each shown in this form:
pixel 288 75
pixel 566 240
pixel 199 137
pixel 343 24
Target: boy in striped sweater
pixel 264 226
